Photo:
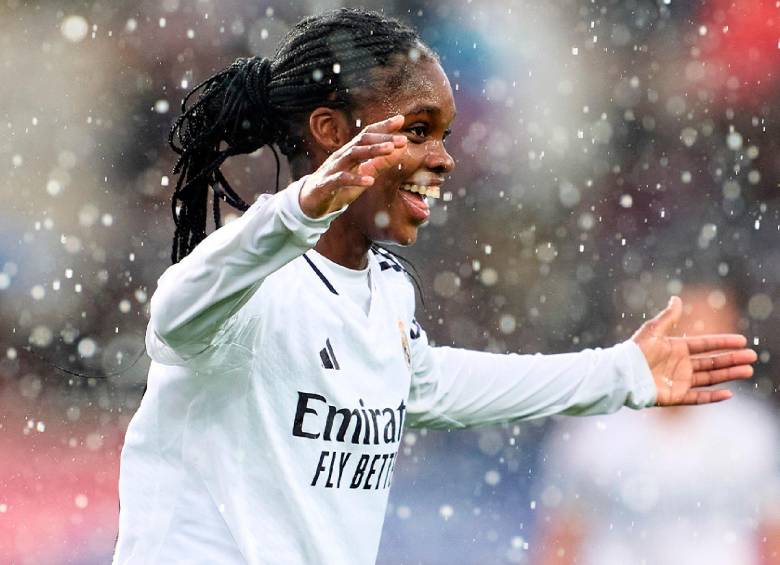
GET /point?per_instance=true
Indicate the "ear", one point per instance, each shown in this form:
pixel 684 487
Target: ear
pixel 329 128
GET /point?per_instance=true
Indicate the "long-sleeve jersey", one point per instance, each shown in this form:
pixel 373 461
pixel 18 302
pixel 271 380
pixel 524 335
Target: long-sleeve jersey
pixel 275 404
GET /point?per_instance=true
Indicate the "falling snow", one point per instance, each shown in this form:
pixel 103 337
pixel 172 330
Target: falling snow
pixel 608 155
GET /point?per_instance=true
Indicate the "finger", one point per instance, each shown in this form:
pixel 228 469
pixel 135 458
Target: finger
pixel 358 153
pixel 344 179
pixel 707 378
pixel 368 138
pixel 705 397
pixel 666 319
pixel 376 166
pixel 391 124
pixel 709 343
pixel 721 360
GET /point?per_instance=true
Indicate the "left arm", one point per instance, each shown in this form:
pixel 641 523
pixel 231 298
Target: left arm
pixel 453 388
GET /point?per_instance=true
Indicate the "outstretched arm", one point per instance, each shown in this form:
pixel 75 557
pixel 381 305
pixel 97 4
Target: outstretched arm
pixel 458 388
pixel 454 388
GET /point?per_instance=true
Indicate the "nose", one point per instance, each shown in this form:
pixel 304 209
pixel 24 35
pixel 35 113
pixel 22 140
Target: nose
pixel 438 159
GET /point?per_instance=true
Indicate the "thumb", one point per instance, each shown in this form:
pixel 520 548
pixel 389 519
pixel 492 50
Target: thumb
pixel 667 318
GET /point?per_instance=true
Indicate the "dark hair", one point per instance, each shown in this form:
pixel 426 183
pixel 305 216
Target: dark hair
pixel 325 60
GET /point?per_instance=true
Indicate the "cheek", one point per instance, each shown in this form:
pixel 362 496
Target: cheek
pixel 382 198
pixel 383 194
pixel 413 159
pixel 378 199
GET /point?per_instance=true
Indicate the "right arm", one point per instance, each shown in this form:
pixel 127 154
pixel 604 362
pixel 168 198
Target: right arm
pixel 208 286
pixel 197 295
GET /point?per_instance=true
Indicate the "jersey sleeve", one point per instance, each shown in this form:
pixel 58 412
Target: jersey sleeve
pixel 195 297
pixel 456 388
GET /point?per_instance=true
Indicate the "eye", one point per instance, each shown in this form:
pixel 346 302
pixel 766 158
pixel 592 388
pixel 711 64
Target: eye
pixel 418 130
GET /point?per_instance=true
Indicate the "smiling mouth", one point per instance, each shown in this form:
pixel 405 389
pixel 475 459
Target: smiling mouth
pixel 432 191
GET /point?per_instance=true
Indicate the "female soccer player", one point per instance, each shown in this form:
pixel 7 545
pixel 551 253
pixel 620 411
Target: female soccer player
pixel 286 356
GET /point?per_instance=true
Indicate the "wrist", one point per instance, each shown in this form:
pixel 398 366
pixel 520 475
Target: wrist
pixel 304 201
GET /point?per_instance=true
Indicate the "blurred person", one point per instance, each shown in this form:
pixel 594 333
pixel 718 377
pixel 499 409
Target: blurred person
pixel 286 356
pixel 684 486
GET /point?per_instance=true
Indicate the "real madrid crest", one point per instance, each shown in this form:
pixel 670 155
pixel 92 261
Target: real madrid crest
pixel 405 344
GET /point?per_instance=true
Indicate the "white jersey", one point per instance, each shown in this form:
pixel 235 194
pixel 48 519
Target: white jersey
pixel 275 403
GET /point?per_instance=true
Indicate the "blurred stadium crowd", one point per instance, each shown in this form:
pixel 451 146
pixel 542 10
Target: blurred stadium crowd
pixel 609 154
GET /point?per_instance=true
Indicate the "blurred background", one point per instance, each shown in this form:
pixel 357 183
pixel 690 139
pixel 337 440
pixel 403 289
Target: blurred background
pixel 609 154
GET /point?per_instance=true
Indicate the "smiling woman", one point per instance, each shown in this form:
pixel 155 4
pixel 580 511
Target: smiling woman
pixel 286 355
pixel 396 205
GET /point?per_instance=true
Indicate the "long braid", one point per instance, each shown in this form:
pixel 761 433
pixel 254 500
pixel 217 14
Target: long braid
pixel 255 102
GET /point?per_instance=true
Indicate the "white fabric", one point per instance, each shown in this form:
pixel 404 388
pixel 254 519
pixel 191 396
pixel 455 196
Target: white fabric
pixel 687 486
pixel 353 283
pixel 275 405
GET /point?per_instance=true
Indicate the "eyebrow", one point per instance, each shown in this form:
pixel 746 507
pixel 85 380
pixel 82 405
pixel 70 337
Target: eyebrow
pixel 424 110
pixel 427 109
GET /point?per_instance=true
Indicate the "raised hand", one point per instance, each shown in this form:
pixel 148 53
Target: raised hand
pixel 680 365
pixel 351 169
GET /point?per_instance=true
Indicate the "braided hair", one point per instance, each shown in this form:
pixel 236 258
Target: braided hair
pixel 325 60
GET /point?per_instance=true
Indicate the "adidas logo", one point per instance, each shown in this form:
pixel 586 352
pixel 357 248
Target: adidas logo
pixel 327 356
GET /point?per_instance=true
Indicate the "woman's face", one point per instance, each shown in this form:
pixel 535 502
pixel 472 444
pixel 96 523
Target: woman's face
pixel 388 211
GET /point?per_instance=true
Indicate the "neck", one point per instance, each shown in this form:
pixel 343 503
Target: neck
pixel 344 244
pixel 306 161
pixel 299 166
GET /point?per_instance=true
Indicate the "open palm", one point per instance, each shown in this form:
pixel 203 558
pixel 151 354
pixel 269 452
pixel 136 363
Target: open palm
pixel 681 365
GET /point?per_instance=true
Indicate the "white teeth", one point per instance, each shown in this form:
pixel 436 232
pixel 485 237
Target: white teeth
pixel 432 191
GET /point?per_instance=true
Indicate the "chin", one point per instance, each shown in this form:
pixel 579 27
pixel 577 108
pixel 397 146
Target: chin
pixel 403 238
